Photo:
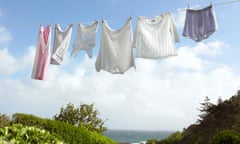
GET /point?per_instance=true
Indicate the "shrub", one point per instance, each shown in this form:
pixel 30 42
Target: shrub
pixel 63 131
pixel 226 137
pixel 19 134
pixel 172 138
pixel 151 141
pixel 4 120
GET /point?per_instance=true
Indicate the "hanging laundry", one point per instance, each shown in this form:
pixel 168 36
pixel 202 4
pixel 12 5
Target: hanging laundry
pixel 42 56
pixel 200 24
pixel 85 39
pixel 155 37
pixel 115 55
pixel 61 43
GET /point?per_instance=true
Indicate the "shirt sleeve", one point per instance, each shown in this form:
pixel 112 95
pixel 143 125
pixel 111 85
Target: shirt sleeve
pixel 135 38
pixel 173 29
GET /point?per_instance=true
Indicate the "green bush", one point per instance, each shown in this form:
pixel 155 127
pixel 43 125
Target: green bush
pixel 19 134
pixel 226 137
pixel 63 131
pixel 151 141
pixel 172 138
pixel 4 120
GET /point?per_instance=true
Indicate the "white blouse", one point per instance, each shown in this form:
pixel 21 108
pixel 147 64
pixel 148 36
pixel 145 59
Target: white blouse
pixel 155 37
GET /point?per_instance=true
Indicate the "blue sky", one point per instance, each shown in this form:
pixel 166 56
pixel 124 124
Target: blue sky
pixel 160 95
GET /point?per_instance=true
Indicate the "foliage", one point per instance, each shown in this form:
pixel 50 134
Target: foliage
pixel 226 137
pixel 219 100
pixel 172 138
pixel 205 108
pixel 66 132
pixel 216 118
pixel 19 134
pixel 151 141
pixel 4 120
pixel 85 115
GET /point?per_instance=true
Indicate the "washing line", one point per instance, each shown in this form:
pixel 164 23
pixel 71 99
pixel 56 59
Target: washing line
pixel 224 3
pixel 121 19
pixel 214 5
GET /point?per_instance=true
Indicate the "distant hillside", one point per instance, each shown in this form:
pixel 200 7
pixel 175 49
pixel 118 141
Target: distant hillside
pixel 225 116
pixel 215 118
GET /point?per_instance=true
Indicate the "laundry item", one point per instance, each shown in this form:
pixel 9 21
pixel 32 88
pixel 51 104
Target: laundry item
pixel 200 24
pixel 61 43
pixel 42 55
pixel 85 39
pixel 115 55
pixel 155 37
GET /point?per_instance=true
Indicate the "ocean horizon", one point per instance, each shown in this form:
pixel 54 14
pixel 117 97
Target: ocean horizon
pixel 136 136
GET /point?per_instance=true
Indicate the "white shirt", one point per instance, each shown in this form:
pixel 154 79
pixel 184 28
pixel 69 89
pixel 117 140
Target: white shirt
pixel 61 43
pixel 115 55
pixel 85 39
pixel 155 37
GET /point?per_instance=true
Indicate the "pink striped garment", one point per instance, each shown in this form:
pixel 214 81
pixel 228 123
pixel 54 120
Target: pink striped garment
pixel 42 56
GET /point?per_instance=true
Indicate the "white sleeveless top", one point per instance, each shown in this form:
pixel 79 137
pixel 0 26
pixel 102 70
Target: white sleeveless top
pixel 155 37
pixel 115 55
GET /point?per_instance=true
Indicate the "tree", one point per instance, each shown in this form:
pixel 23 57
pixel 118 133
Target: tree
pixel 85 115
pixel 4 120
pixel 205 108
pixel 219 100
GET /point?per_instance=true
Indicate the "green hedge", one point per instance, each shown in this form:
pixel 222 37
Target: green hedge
pixel 226 137
pixel 66 132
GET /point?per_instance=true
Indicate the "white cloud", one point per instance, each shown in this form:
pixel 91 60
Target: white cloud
pixel 10 64
pixel 191 58
pixel 5 35
pixel 163 94
pixel 210 49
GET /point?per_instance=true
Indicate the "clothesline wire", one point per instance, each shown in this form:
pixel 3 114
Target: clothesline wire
pixel 121 19
pixel 224 3
pixel 216 4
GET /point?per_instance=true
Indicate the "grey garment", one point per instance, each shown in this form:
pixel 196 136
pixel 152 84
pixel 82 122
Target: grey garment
pixel 61 43
pixel 200 24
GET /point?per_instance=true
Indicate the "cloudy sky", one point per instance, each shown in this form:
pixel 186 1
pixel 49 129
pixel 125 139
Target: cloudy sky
pixel 159 95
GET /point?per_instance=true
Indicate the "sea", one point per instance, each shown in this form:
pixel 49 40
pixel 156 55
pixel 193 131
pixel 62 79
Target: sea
pixel 136 136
